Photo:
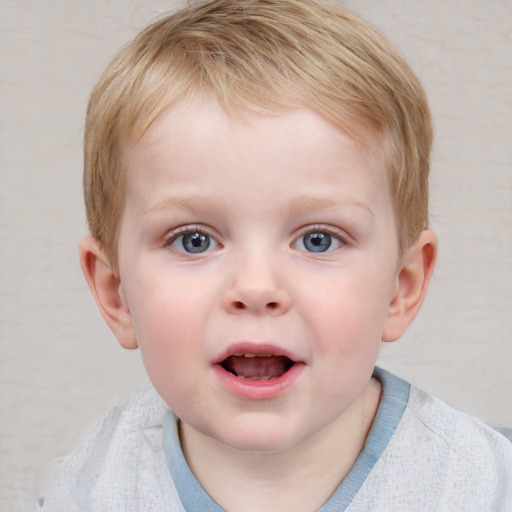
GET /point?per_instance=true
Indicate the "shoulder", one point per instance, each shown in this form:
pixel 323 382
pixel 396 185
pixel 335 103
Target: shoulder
pixel 452 460
pixel 437 459
pixel 118 465
pixel 464 436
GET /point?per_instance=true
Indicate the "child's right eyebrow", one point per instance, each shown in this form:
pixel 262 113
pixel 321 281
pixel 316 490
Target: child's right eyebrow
pixel 173 202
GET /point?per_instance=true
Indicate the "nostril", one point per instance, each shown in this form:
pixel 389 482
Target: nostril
pixel 272 305
pixel 239 305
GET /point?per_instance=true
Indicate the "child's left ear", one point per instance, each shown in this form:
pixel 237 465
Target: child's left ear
pixel 411 285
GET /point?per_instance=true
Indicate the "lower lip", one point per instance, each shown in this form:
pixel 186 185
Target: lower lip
pixel 258 389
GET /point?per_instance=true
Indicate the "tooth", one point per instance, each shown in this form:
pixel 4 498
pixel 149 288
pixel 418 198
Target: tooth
pixel 264 355
pixel 250 355
pixel 267 377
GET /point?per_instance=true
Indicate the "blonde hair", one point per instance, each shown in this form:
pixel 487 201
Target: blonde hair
pixel 267 56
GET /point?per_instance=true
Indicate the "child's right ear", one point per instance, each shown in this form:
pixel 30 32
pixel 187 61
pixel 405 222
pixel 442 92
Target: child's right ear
pixel 106 288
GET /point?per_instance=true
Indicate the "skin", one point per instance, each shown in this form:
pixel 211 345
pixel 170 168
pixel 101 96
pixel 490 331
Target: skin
pixel 257 190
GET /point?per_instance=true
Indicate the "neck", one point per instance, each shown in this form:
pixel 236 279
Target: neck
pixel 300 478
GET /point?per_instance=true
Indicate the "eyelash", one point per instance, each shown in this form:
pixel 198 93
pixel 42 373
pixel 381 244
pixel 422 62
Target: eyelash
pixel 181 232
pixel 332 233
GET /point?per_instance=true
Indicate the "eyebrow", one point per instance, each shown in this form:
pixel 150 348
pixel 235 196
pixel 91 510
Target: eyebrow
pixel 297 205
pixel 176 202
pixel 306 203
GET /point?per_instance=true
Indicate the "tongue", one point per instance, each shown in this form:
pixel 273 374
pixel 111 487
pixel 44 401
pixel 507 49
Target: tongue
pixel 257 368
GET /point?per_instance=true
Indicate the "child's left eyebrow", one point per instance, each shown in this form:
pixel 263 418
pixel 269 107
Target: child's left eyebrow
pixel 306 203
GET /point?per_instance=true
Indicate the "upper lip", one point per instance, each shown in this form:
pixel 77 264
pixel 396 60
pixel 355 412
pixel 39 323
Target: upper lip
pixel 249 348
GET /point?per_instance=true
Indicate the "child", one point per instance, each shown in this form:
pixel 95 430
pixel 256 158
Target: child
pixel 256 184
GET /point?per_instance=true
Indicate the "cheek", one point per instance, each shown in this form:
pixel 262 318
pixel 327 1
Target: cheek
pixel 348 313
pixel 169 333
pixel 165 308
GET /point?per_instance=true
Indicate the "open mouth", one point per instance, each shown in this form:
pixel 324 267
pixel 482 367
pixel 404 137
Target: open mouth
pixel 257 366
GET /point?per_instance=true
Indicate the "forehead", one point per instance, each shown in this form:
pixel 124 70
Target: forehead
pixel 196 141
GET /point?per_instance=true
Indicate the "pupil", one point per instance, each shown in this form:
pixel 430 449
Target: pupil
pixel 196 242
pixel 317 242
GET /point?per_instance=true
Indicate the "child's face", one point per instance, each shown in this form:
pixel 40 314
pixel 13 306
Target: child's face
pixel 258 259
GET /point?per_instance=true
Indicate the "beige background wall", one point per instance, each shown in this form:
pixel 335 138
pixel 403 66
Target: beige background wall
pixel 59 365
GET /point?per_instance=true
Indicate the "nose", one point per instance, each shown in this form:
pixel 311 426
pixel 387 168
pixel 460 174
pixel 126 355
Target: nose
pixel 257 287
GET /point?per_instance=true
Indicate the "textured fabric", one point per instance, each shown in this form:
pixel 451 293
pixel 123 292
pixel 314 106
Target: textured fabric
pixel 119 466
pixel 437 459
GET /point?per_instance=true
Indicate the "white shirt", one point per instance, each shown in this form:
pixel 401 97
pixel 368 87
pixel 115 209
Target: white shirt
pixel 420 455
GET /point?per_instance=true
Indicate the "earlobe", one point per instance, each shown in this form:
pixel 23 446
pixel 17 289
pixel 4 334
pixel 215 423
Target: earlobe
pixel 411 286
pixel 106 288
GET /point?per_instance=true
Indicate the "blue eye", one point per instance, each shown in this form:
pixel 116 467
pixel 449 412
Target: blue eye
pixel 193 242
pixel 318 242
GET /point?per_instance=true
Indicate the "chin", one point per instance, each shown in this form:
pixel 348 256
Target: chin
pixel 259 438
